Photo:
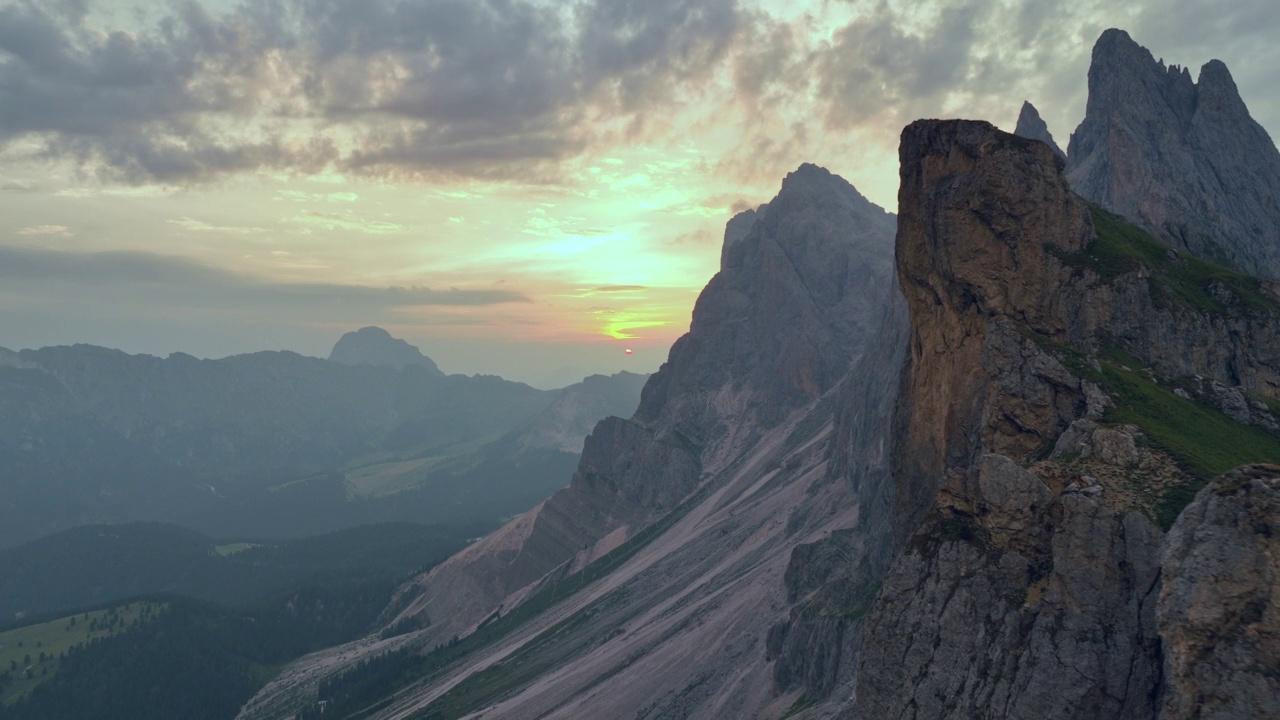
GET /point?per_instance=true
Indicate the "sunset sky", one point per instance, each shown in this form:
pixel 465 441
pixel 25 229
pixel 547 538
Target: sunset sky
pixel 514 186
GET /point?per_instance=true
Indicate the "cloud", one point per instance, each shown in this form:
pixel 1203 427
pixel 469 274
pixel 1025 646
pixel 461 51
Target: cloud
pixel 348 221
pixel 18 186
pixel 56 230
pixel 192 225
pixel 149 279
pixel 636 49
pixel 483 88
pixel 508 90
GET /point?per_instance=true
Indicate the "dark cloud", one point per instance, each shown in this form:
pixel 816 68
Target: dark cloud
pixel 635 49
pixel 470 87
pixel 148 278
pixel 876 68
pixel 509 88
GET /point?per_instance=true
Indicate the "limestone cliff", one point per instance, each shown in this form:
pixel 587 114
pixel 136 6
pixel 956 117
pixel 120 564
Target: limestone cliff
pixel 1182 157
pixel 1033 433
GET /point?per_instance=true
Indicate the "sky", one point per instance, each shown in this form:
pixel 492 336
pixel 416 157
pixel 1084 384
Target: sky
pixel 514 186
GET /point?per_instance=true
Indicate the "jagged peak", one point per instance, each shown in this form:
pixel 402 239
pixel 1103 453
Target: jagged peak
pixel 1032 126
pixel 819 249
pixel 813 188
pixel 815 180
pixel 1215 79
pixel 1182 157
pixel 1114 42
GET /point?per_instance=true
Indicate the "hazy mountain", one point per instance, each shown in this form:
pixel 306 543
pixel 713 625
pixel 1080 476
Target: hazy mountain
pixel 375 346
pixel 276 444
pixel 566 422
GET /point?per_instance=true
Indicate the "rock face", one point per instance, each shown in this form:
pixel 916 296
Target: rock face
pixel 1183 158
pixel 1219 607
pixel 738 227
pixel 788 310
pixel 1030 126
pixel 726 467
pixel 1026 588
pixel 375 346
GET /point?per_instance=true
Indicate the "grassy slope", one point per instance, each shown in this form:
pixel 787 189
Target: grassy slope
pixel 55 638
pixel 1204 442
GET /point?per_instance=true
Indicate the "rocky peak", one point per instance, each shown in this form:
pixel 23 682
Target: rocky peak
pixel 1181 157
pixel 375 346
pixel 785 314
pixel 738 227
pixel 1030 126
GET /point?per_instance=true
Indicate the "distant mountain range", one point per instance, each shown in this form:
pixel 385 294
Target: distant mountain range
pixel 275 444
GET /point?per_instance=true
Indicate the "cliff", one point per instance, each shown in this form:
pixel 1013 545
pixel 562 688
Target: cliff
pixel 1035 451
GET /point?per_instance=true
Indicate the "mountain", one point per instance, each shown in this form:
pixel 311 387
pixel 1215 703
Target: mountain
pixel 1183 159
pixel 565 423
pixel 1043 434
pixel 275 444
pixel 375 346
pixel 667 550
pixel 1031 126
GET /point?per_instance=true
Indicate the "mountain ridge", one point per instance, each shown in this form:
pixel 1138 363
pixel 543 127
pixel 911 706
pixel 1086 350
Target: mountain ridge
pixel 674 494
pixel 1182 158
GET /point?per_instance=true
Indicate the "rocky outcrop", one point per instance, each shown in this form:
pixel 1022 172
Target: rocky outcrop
pixel 1183 158
pixel 983 214
pixel 1032 127
pixel 1219 607
pixel 1033 605
pixel 375 346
